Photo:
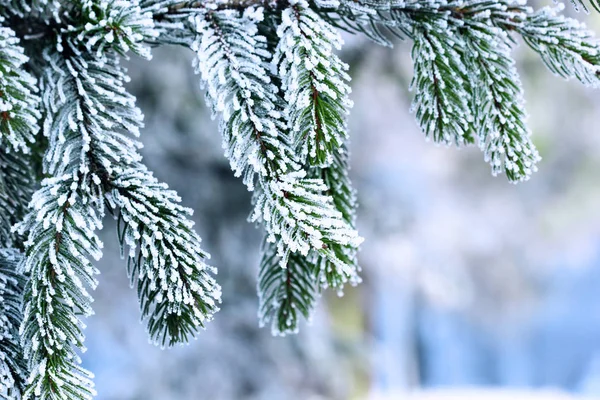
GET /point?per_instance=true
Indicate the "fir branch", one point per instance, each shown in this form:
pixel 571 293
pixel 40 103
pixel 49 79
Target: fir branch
pixel 177 294
pixel 297 214
pixel 117 24
pixel 498 102
pixel 314 83
pixel 285 293
pixel 565 45
pixel 13 369
pixel 339 187
pixel 61 241
pixel 44 10
pixel 16 188
pixel 19 113
pixel 440 83
pixel 85 115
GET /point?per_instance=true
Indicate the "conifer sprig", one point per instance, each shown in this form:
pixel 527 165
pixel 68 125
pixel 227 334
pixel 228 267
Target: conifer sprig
pixel 60 243
pixel 314 83
pixel 298 215
pixel 176 290
pixel 19 111
pixel 13 369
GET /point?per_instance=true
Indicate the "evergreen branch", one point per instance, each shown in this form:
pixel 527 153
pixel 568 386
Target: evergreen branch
pixel 340 189
pixel 117 166
pixel 13 369
pixel 285 293
pixel 369 17
pixel 177 294
pixel 83 102
pixel 297 214
pixel 230 60
pixel 565 45
pixel 440 83
pixel 116 24
pixel 18 95
pixel 498 102
pixel 253 137
pixel 16 188
pixel 60 242
pixel 314 82
pixel 42 9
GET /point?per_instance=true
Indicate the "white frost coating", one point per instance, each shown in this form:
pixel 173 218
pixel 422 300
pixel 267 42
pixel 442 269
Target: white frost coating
pixel 12 365
pixel 19 102
pixel 314 82
pixel 297 214
pixel 165 257
pixel 57 260
pixel 498 103
pixel 440 82
pixel 567 47
pixel 88 117
pixel 466 84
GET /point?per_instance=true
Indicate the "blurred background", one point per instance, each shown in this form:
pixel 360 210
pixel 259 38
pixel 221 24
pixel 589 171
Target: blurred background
pixel 473 288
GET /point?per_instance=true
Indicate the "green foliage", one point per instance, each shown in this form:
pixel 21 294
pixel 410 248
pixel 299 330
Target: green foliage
pixel 273 77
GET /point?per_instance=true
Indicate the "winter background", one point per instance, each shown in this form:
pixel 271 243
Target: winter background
pixel 473 288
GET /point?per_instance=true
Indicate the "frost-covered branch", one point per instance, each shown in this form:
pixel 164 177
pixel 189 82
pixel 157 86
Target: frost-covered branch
pixel 16 188
pixel 285 294
pixel 566 46
pixel 314 83
pixel 176 290
pixel 498 103
pixel 440 83
pixel 60 242
pixel 13 369
pixel 297 213
pixel 18 98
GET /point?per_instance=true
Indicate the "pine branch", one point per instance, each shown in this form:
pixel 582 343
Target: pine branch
pixel 340 189
pixel 297 214
pixel 43 9
pixel 452 38
pixel 177 294
pixel 13 370
pixel 85 115
pixel 16 188
pixel 498 103
pixel 18 95
pixel 440 83
pixel 566 46
pixel 118 25
pixel 314 83
pixel 285 293
pixel 369 17
pixel 61 241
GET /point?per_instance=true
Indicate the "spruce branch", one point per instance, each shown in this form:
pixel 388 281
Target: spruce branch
pixel 295 210
pixel 61 240
pixel 565 45
pixel 176 290
pixel 85 114
pixel 440 83
pixel 13 369
pixel 314 83
pixel 18 95
pixel 16 188
pixel 498 103
pixel 285 293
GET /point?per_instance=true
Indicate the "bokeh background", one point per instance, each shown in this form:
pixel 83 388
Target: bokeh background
pixel 473 287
